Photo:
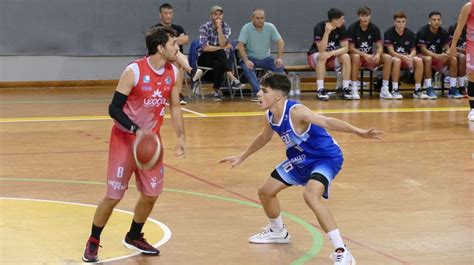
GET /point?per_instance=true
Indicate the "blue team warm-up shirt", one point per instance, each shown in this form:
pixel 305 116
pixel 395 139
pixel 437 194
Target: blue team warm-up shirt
pixel 314 151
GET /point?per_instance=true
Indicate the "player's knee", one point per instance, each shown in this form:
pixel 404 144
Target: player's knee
pixel 386 59
pixel 262 192
pixel 345 58
pixel 396 61
pixel 111 202
pixel 426 59
pixel 355 57
pixel 148 199
pixel 312 197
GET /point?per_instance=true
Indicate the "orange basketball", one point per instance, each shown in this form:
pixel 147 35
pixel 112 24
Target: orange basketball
pixel 146 151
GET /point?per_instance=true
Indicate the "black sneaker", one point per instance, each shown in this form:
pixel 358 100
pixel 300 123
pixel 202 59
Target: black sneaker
pixel 322 94
pixel 346 93
pixel 91 253
pixel 196 74
pixel 216 97
pixel 182 101
pixel 236 84
pixel 140 245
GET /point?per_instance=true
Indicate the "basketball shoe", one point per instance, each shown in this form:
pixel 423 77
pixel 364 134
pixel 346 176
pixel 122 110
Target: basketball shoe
pixel 91 253
pixel 342 256
pixel 270 236
pixel 140 245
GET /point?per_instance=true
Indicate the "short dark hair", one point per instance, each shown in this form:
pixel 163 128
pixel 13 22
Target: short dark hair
pixel 364 11
pixel 399 14
pixel 158 35
pixel 334 13
pixel 277 82
pixel 434 13
pixel 165 6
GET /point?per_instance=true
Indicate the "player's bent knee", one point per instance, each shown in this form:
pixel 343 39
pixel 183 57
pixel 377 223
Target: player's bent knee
pixel 148 198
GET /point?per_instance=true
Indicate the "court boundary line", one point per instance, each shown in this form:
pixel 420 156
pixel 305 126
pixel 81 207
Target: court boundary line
pixel 195 114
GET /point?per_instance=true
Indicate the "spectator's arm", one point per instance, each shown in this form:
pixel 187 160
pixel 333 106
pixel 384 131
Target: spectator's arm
pixel 183 39
pixel 242 52
pixel 281 48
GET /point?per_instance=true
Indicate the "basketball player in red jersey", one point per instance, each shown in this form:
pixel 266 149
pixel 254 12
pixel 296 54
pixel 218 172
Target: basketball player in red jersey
pixel 467 16
pixel 138 107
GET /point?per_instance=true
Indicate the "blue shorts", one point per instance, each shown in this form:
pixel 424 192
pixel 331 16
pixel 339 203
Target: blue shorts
pixel 296 176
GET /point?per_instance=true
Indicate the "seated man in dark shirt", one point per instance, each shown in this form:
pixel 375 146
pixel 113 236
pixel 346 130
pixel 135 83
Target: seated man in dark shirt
pixel 329 49
pixel 433 43
pixel 366 49
pixel 461 56
pixel 400 43
pixel 166 19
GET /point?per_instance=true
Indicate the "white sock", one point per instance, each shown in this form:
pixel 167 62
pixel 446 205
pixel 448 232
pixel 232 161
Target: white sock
pixel 417 87
pixel 461 81
pixel 385 83
pixel 276 224
pixel 320 84
pixel 394 86
pixel 345 83
pixel 452 81
pixel 336 239
pixel 427 82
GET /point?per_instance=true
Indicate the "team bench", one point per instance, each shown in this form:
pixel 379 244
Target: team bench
pixel 308 68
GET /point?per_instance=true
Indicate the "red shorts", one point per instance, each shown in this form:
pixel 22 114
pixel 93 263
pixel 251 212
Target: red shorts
pixel 470 56
pixel 332 63
pixel 405 66
pixel 122 165
pixel 438 66
pixel 369 65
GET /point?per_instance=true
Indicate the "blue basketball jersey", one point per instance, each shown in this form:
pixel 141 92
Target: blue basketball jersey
pixel 313 145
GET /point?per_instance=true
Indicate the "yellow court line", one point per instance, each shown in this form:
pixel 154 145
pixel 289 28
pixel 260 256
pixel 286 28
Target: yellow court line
pixel 236 114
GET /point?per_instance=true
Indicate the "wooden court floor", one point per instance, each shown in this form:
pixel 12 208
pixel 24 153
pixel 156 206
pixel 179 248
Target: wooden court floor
pixel 406 199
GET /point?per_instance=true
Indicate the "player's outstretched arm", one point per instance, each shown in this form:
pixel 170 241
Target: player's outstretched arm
pixel 305 115
pixel 177 116
pixel 262 139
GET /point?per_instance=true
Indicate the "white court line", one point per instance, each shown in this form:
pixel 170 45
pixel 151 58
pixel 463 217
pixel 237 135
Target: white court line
pixel 191 111
pixel 166 230
pixel 195 112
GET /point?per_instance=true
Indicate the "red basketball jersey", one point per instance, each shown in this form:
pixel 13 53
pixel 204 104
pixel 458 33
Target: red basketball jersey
pixel 145 104
pixel 470 24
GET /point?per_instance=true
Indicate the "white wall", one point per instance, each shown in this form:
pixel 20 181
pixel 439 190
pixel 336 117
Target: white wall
pixel 56 68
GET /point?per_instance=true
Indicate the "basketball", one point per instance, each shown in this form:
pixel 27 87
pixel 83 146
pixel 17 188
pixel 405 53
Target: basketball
pixel 146 151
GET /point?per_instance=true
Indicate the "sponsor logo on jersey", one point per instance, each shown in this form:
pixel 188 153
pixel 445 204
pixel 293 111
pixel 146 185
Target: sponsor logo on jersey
pixel 168 80
pixel 146 88
pixel 117 185
pixel 146 79
pixel 298 159
pixel 156 100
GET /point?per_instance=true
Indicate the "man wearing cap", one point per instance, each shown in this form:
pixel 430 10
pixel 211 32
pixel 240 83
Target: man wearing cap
pixel 254 47
pixel 213 41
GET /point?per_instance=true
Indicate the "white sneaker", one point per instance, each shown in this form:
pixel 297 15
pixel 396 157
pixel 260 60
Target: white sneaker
pixel 355 92
pixel 385 94
pixel 343 258
pixel 420 95
pixel 270 236
pixel 470 116
pixel 396 95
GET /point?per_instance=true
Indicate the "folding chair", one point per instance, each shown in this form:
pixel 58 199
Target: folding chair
pixel 238 69
pixel 196 87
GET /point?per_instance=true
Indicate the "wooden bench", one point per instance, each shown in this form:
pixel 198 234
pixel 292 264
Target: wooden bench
pixel 308 68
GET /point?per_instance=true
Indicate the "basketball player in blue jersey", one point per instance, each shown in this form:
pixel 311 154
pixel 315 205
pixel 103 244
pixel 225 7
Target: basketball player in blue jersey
pixel 314 159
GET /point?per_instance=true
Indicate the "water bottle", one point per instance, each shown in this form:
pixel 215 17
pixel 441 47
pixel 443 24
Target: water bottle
pixel 292 82
pixel 297 85
pixel 339 80
pixel 437 80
